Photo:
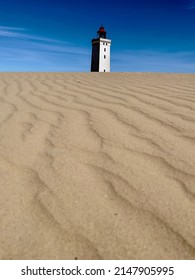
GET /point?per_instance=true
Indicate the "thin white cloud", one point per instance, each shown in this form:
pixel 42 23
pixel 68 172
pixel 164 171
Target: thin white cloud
pixel 191 5
pixel 20 50
pixel 10 28
pixel 9 36
pixel 59 48
pixel 18 33
pixel 144 60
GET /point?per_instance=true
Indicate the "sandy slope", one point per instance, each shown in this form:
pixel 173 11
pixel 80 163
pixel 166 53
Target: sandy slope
pixel 97 166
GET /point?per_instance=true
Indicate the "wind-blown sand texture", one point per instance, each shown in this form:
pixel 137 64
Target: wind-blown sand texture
pixel 97 166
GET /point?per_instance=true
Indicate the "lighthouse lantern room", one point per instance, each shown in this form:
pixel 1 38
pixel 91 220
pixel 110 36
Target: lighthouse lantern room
pixel 100 59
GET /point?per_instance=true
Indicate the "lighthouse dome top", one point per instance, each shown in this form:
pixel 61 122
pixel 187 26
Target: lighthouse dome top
pixel 101 32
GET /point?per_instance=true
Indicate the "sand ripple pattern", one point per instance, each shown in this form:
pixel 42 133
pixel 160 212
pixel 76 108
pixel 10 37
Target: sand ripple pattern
pixel 97 166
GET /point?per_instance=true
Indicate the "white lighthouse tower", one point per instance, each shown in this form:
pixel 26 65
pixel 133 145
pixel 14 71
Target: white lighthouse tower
pixel 100 59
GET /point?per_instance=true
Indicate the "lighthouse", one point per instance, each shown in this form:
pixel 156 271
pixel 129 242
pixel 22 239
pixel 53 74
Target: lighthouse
pixel 100 59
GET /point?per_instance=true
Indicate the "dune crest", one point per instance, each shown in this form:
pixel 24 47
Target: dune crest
pixel 97 166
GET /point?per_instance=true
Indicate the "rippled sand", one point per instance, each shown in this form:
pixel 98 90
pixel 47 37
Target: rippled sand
pixel 97 166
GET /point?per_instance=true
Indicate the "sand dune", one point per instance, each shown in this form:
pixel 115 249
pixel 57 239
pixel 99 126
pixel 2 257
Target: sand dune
pixel 97 166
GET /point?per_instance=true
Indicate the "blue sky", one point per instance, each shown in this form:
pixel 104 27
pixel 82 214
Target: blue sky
pixel 54 35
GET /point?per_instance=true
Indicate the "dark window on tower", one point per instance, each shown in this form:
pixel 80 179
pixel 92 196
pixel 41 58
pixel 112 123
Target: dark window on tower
pixel 104 70
pixel 105 49
pixel 104 56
